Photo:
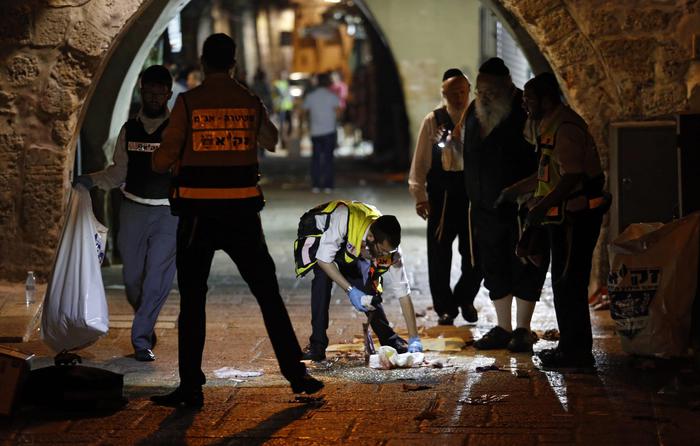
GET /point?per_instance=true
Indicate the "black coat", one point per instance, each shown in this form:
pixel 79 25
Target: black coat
pixel 499 160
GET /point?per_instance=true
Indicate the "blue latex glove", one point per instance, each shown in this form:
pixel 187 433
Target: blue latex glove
pixel 84 180
pixel 355 296
pixel 414 344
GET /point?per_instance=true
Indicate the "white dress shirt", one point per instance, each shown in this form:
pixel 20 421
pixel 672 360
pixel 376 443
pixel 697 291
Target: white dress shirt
pixel 394 281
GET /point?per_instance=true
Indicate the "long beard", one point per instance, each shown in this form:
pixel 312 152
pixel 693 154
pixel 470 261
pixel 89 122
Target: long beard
pixel 493 113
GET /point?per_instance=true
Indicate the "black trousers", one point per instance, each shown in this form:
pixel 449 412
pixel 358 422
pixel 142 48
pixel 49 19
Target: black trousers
pixel 321 286
pixel 496 236
pixel 242 238
pixel 450 199
pixel 573 243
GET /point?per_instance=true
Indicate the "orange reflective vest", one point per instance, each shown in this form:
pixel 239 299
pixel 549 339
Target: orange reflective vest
pixel 217 173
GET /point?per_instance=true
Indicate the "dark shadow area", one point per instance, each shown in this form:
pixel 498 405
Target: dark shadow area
pixel 259 434
pixel 172 430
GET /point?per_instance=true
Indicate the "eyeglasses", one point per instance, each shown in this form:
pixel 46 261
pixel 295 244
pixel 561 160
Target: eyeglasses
pixel 381 251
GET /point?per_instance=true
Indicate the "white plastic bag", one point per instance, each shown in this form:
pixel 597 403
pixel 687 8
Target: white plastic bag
pixel 652 284
pixel 388 358
pixel 75 310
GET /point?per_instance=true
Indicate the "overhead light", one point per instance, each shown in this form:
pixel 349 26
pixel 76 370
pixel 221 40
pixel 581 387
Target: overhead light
pixel 295 91
pixel 333 1
pixel 296 76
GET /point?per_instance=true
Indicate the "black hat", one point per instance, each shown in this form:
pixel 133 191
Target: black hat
pixel 495 67
pixel 452 72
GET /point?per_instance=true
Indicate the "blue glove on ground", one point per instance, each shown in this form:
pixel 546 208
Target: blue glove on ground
pixel 414 344
pixel 84 180
pixel 355 296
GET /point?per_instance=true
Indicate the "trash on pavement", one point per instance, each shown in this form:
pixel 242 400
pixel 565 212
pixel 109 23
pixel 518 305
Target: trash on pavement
pixel 414 387
pixel 387 358
pixel 231 373
pixel 483 399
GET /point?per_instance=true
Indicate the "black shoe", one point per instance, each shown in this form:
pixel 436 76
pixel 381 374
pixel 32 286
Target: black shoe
pixel 312 353
pixel 522 341
pixel 446 319
pixel 495 338
pixel 556 359
pixel 180 397
pixel 144 354
pixel 399 344
pixel 469 313
pixel 307 384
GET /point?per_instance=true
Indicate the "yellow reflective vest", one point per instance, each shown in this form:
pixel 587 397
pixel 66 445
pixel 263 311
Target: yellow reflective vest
pixel 360 217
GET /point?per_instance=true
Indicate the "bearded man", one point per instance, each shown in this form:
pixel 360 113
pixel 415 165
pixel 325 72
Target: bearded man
pixel 497 155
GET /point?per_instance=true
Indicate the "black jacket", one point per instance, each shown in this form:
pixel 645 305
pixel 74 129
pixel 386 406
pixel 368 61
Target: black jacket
pixel 499 160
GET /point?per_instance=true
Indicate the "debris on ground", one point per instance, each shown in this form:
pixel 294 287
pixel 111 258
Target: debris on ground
pixel 430 411
pixel 414 387
pixel 316 401
pixel 483 399
pixel 235 374
pixel 486 368
pixel 520 373
pixel 388 358
pixel 420 313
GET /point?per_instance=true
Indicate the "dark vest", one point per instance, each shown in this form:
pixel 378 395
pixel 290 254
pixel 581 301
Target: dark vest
pixel 141 180
pixel 438 179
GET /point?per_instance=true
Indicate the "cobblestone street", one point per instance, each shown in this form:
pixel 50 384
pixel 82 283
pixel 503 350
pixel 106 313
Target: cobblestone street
pixel 623 402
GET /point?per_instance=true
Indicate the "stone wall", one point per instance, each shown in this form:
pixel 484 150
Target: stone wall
pixel 615 59
pixel 51 51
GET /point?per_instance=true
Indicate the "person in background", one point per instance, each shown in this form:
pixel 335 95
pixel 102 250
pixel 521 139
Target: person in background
pixel 497 155
pixel 570 203
pixel 147 228
pixel 323 108
pixel 436 182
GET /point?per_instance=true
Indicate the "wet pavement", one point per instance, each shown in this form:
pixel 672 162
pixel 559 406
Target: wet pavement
pixel 474 398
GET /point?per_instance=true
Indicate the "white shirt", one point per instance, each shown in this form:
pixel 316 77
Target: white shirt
pixel 451 157
pixel 322 104
pixel 115 174
pixel 394 281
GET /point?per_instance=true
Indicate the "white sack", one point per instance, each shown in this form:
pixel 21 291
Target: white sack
pixel 652 284
pixel 75 310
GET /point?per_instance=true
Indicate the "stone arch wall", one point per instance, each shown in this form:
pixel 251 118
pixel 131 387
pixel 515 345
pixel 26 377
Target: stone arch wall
pixel 615 60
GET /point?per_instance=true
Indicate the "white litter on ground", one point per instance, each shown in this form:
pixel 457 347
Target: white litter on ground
pixel 235 374
pixel 387 358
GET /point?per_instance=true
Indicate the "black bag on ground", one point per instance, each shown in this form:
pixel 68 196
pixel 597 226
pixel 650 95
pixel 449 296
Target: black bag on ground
pixel 67 384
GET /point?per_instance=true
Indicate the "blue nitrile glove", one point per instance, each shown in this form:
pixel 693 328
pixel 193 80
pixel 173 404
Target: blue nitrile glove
pixel 414 344
pixel 355 296
pixel 84 180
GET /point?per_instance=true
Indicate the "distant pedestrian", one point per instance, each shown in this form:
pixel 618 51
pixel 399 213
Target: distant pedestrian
pixel 323 107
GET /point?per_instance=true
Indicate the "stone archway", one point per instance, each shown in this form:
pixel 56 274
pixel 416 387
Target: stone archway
pixel 615 60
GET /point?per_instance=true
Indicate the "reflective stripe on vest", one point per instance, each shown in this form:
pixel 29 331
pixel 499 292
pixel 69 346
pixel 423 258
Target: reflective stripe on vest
pixel 209 193
pixel 218 171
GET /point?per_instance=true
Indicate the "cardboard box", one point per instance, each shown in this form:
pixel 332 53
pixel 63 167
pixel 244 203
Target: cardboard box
pixel 14 369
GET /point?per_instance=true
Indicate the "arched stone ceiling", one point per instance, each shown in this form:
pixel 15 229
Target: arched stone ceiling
pixel 615 60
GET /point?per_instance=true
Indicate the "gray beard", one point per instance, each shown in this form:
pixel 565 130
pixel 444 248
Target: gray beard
pixel 492 114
